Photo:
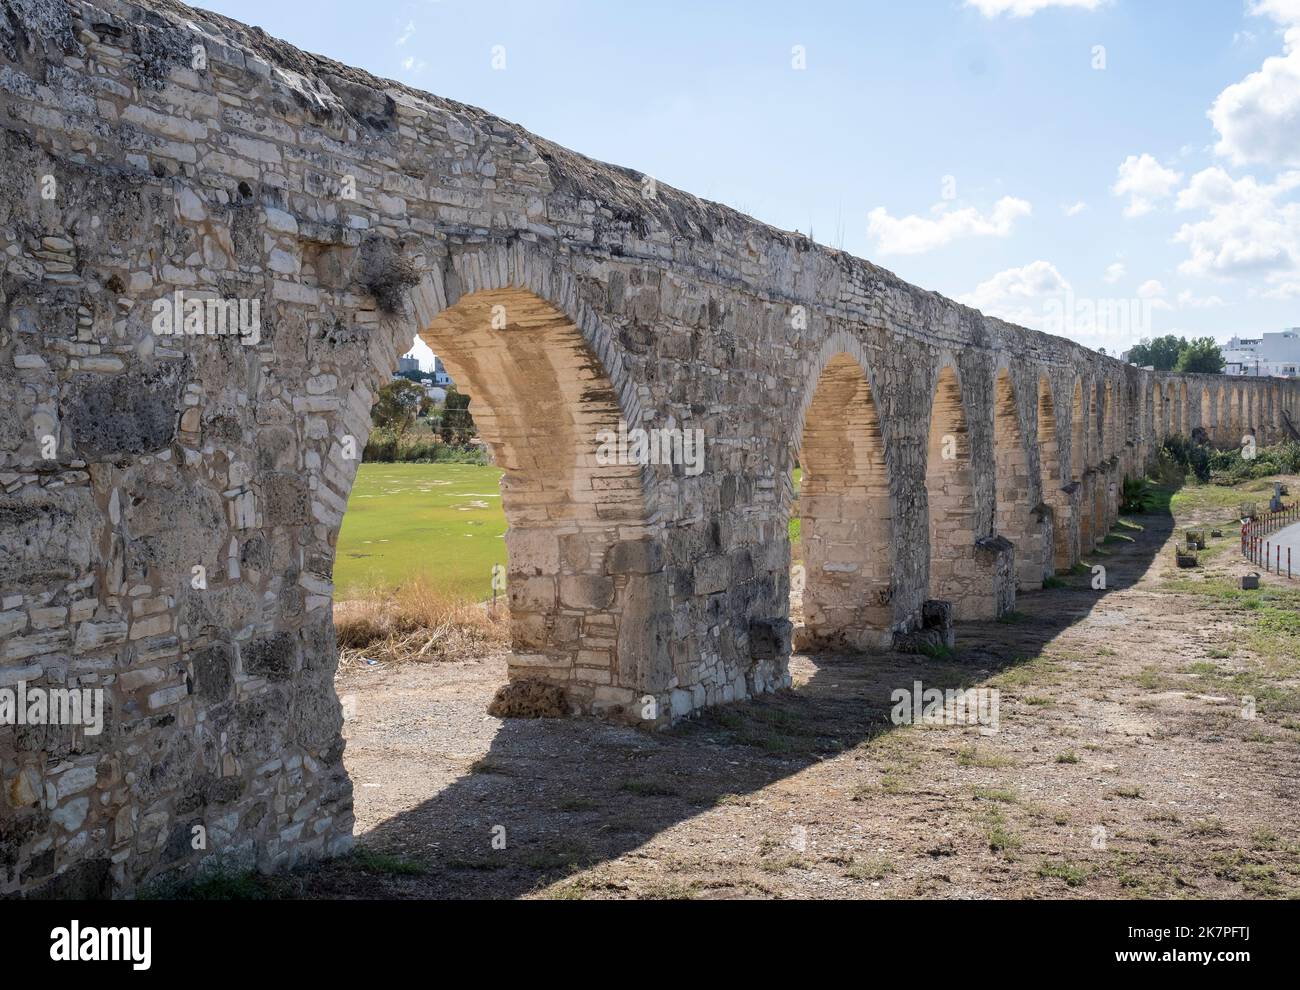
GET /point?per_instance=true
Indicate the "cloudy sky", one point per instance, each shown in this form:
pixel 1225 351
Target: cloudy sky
pixel 1033 158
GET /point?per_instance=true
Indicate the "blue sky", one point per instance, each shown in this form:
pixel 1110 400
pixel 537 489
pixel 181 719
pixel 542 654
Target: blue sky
pixel 1004 152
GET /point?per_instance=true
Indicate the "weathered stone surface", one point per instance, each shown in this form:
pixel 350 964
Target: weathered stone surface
pixel 46 536
pixel 131 413
pixel 770 639
pixel 214 672
pixel 526 698
pixel 169 503
pixel 273 657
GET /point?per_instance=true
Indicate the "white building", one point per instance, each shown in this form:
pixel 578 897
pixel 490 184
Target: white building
pixel 1274 355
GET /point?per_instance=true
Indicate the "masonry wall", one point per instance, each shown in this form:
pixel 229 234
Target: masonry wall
pixel 171 502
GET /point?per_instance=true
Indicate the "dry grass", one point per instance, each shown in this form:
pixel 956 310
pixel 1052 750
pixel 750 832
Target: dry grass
pixel 419 623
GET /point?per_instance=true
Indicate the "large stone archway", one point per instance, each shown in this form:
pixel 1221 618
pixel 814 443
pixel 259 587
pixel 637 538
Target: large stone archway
pixel 950 492
pixel 1053 479
pixel 1019 517
pixel 587 590
pixel 846 516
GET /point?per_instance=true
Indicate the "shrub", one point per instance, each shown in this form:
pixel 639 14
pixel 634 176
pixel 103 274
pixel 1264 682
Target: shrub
pixel 385 446
pixel 1193 458
pixel 1135 496
pixel 1229 467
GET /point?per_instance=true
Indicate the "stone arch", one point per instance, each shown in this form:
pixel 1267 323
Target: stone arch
pixel 1093 419
pixel 1015 517
pixel 585 565
pixel 1110 431
pixel 846 513
pixel 1157 412
pixel 1078 448
pixel 1222 430
pixel 1207 412
pixel 1087 474
pixel 1139 424
pixel 1184 411
pixel 950 494
pixel 1109 426
pixel 1052 476
pixel 1100 506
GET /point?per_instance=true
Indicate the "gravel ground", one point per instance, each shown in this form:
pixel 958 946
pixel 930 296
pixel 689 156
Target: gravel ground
pixel 1120 768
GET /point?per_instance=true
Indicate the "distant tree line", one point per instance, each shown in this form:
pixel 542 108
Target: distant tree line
pixel 446 434
pixel 1169 353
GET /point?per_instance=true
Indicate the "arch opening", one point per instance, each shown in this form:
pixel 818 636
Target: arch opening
pixel 586 587
pixel 950 494
pixel 1015 516
pixel 1110 424
pixel 846 522
pixel 1085 429
pixel 1052 478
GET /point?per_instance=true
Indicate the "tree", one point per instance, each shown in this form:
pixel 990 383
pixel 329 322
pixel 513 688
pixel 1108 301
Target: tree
pixel 457 424
pixel 1201 355
pixel 399 403
pixel 1161 353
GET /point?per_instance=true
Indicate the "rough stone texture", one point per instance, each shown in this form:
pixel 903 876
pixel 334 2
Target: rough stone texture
pixel 567 297
pixel 528 698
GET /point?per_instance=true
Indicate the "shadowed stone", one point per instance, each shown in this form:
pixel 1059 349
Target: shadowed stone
pixel 131 413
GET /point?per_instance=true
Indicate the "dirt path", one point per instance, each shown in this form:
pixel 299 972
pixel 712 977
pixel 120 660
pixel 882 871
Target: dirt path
pixel 1123 767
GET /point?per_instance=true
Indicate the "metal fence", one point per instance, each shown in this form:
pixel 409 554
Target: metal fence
pixel 1259 549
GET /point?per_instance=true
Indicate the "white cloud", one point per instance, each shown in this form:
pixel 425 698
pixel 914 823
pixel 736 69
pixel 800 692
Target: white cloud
pixel 1189 300
pixel 407 31
pixel 1284 291
pixel 1144 180
pixel 1019 294
pixel 914 234
pixel 1115 271
pixel 413 64
pixel 1258 118
pixel 1154 290
pixel 1074 209
pixel 1027 8
pixel 1285 12
pixel 1250 227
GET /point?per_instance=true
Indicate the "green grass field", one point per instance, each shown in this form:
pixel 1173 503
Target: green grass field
pixel 440 521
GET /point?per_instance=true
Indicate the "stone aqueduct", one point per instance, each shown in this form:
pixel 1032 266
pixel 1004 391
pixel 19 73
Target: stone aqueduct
pixel 150 148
